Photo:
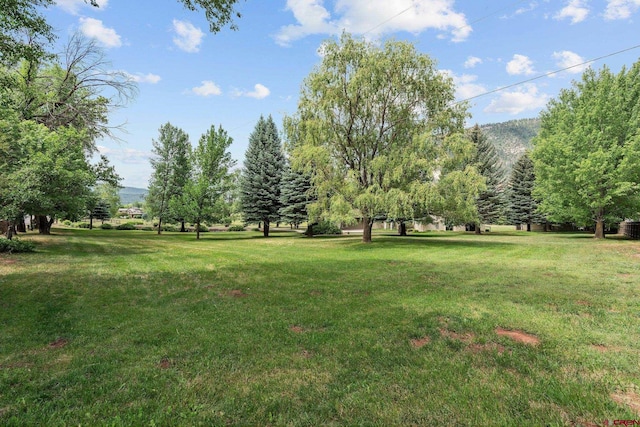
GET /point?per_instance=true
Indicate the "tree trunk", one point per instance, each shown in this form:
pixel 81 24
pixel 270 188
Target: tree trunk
pixel 265 229
pixel 10 230
pixel 90 222
pixel 402 228
pixel 184 230
pixel 159 225
pixel 21 226
pixel 44 225
pixel 309 230
pixel 197 229
pixel 528 226
pixel 599 228
pixel 478 228
pixel 367 224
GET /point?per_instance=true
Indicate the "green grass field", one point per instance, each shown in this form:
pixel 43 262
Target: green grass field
pixel 108 327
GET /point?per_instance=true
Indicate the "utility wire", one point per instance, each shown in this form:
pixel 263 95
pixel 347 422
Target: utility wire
pixel 548 74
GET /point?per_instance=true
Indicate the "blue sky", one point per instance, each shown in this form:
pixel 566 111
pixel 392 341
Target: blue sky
pixel 194 79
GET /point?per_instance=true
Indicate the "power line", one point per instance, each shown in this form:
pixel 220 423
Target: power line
pixel 548 74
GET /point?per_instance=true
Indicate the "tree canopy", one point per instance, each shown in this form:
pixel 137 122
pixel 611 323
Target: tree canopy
pixel 376 127
pixel 588 150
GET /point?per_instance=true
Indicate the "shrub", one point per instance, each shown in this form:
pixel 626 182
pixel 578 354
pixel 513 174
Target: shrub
pixel 147 228
pixel 236 228
pixel 106 226
pixel 169 227
pixel 16 245
pixel 126 226
pixel 203 228
pixel 67 223
pixel 82 225
pixel 326 227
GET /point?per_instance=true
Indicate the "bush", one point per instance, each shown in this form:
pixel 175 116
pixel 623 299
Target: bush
pixel 169 227
pixel 236 228
pixel 82 225
pixel 326 227
pixel 126 226
pixel 67 223
pixel 16 245
pixel 147 228
pixel 203 228
pixel 106 226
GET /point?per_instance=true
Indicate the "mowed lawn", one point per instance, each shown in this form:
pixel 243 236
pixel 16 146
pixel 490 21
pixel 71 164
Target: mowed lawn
pixel 109 327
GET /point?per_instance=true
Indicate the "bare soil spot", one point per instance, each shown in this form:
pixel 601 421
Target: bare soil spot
pixel 518 336
pixel 583 303
pixel 164 363
pixel 599 347
pixel 7 261
pixel 315 293
pixel 234 293
pixel 465 338
pixel 420 342
pixel 630 399
pixel 296 329
pixel 59 343
pixel 306 354
pixel 479 348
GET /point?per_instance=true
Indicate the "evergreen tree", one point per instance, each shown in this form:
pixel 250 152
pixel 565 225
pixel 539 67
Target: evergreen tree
pixel 294 197
pixel 170 171
pixel 522 205
pixel 490 203
pixel 262 175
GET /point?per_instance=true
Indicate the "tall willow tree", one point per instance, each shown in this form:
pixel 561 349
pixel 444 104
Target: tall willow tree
pixel 374 127
pixel 587 154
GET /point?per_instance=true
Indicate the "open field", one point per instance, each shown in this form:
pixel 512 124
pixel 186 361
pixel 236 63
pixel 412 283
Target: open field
pixel 108 327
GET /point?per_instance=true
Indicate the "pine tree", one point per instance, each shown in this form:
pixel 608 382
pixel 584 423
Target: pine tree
pixel 490 203
pixel 522 205
pixel 294 197
pixel 170 170
pixel 262 175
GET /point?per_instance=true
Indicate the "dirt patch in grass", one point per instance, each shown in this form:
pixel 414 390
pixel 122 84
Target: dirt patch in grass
pixel 59 343
pixel 518 336
pixel 630 399
pixel 420 342
pixel 604 348
pixel 315 293
pixel 234 293
pixel 306 354
pixel 465 338
pixel 296 329
pixel 583 303
pixel 164 363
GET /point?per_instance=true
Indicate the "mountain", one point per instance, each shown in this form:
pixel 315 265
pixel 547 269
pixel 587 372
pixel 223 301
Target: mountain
pixel 511 138
pixel 129 195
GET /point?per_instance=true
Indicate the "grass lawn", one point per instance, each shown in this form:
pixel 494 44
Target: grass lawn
pixel 109 327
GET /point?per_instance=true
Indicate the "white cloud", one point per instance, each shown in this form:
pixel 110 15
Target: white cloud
pixel 520 64
pixel 526 99
pixel 566 59
pixel 188 36
pixel 126 155
pixel 259 92
pixel 95 29
pixel 207 88
pixel 74 6
pixel 472 61
pixel 145 78
pixel 466 86
pixel 574 10
pixel 373 17
pixel 621 9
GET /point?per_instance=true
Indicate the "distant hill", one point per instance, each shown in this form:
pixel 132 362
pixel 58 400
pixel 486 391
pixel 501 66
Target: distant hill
pixel 511 138
pixel 130 195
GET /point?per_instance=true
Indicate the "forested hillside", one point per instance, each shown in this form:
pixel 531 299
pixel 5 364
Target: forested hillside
pixel 129 195
pixel 511 138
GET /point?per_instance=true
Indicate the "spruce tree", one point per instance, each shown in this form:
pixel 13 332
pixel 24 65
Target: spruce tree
pixel 490 203
pixel 262 175
pixel 522 205
pixel 294 197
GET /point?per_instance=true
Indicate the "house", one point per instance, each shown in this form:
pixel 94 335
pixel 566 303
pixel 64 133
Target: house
pixel 130 212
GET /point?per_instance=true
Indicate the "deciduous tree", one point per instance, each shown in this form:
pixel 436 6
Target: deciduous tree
pixel 373 126
pixel 587 153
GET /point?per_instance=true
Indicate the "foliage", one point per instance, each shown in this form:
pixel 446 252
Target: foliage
pixel 522 205
pixel 295 195
pixel 325 227
pixel 106 226
pixel 169 227
pixel 490 203
pixel 262 175
pixel 236 228
pixel 374 127
pixel 171 169
pixel 218 12
pixel 82 224
pixel 126 226
pixel 24 33
pixel 16 245
pixel 587 153
pixel 209 181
